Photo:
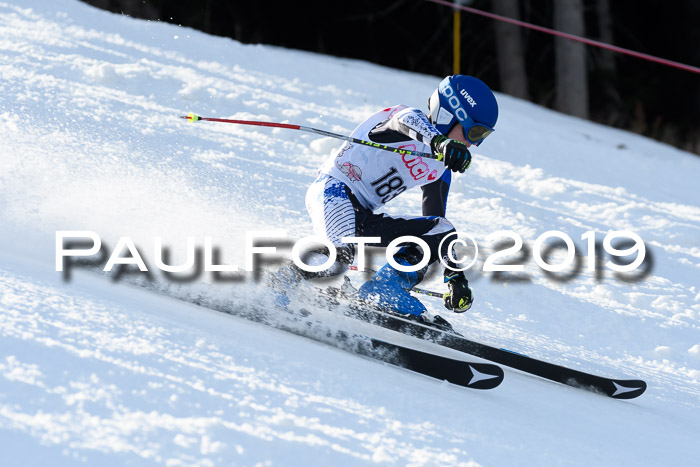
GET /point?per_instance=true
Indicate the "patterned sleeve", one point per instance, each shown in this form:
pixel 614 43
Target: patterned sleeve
pixel 409 122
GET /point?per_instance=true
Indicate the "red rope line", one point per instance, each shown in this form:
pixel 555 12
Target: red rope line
pixel 573 37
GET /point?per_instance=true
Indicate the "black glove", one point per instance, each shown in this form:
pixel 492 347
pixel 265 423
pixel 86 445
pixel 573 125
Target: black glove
pixel 459 298
pixel 453 153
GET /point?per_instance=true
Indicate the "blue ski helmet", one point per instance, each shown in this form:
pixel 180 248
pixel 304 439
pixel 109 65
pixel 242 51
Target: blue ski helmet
pixel 467 100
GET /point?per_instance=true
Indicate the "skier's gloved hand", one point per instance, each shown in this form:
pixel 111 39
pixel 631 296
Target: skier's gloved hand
pixel 459 298
pixel 454 154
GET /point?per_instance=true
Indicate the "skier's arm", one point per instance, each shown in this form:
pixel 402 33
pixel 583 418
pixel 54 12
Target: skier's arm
pixel 435 195
pixel 409 123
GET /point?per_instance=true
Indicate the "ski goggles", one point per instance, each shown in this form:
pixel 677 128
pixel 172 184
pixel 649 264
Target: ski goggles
pixel 475 132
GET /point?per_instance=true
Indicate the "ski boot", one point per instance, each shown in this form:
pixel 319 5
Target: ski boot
pixel 389 289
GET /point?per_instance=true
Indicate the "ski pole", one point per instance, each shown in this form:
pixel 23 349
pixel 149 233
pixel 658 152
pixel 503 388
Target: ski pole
pixel 195 118
pixel 429 293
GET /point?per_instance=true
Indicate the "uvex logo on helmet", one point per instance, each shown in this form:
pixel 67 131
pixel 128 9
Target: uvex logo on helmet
pixel 469 98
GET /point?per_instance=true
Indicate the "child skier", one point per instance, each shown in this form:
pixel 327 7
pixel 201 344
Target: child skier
pixel 357 180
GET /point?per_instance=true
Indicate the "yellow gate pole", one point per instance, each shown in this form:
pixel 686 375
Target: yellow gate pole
pixel 456 19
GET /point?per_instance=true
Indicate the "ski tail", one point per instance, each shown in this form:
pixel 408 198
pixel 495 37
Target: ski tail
pixel 472 375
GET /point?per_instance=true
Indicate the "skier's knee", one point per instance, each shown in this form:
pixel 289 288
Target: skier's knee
pixel 442 227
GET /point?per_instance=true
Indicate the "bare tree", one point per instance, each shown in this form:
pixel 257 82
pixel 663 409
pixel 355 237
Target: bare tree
pixel 606 66
pixel 571 72
pixel 605 25
pixel 511 55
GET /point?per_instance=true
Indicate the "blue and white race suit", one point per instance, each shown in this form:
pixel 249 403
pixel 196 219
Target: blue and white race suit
pixel 358 179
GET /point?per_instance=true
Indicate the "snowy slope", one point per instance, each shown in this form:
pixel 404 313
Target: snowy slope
pixel 95 371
